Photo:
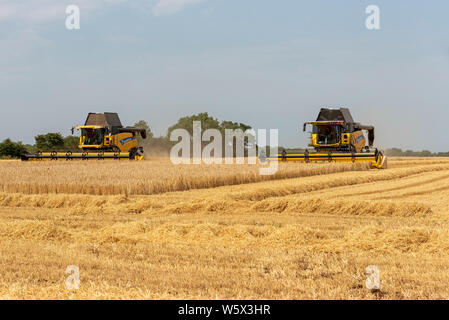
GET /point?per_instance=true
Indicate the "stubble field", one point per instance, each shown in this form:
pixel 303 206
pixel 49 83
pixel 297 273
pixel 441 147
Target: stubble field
pixel 152 230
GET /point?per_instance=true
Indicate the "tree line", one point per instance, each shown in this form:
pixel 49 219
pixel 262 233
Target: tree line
pixel 396 152
pixel 57 142
pixel 159 145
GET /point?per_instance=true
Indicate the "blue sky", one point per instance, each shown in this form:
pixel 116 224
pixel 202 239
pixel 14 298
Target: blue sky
pixel 270 64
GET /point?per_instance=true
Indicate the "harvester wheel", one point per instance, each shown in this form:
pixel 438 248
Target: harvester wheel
pixel 116 150
pixel 132 153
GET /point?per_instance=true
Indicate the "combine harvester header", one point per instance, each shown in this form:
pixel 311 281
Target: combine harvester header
pixel 337 138
pixel 102 138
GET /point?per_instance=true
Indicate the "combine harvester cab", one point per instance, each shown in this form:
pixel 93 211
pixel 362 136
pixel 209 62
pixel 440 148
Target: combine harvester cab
pixel 337 138
pixel 102 138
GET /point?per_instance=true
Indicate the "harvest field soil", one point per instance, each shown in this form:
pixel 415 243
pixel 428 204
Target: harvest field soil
pixel 309 233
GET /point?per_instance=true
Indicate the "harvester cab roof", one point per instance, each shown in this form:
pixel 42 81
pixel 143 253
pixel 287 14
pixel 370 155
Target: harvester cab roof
pixel 110 121
pixel 342 117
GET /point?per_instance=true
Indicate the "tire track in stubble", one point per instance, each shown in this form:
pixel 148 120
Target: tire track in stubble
pixel 322 185
pixel 414 193
pixel 401 187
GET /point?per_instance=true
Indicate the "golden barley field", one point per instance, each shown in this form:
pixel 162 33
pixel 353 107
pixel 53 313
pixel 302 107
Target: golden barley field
pixel 152 230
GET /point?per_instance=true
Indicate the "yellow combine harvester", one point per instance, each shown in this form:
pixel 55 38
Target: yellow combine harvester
pixel 337 138
pixel 102 138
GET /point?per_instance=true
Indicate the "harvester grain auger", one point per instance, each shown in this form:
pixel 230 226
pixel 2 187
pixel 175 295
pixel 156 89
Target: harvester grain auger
pixel 102 138
pixel 337 138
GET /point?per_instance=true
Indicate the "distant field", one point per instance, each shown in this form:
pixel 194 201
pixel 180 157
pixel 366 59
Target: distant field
pixel 141 177
pixel 309 233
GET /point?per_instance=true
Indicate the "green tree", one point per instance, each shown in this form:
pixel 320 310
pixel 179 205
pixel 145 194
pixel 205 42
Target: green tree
pixel 234 126
pixel 442 154
pixel 248 141
pixel 186 123
pixel 71 143
pixel 208 122
pixel 142 124
pixel 11 149
pixel 394 152
pixel 426 153
pixel 49 142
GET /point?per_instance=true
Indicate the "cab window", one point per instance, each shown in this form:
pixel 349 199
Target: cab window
pixel 327 134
